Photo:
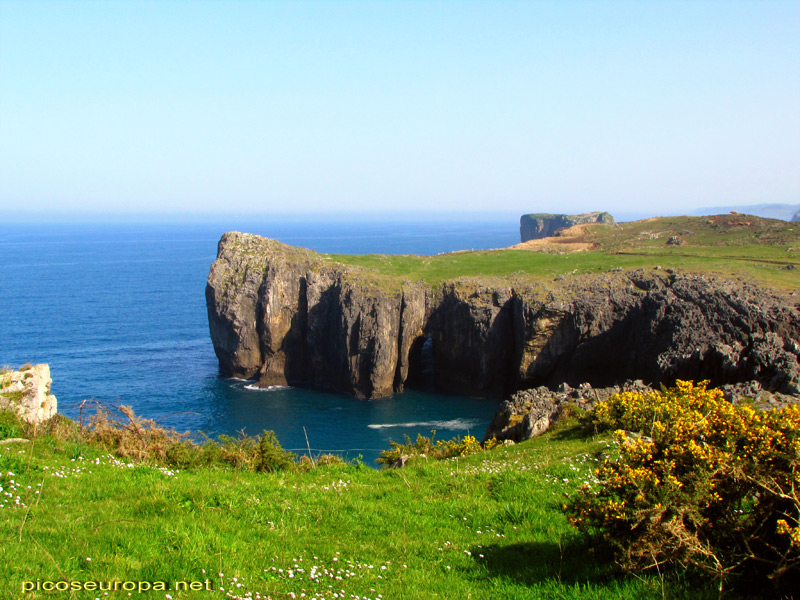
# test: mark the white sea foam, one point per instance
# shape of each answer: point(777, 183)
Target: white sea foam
point(270, 388)
point(242, 380)
point(446, 425)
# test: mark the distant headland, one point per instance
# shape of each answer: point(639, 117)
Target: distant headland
point(542, 225)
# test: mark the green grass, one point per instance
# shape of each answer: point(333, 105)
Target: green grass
point(759, 252)
point(761, 264)
point(485, 526)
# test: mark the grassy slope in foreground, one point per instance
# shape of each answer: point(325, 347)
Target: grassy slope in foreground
point(484, 526)
point(727, 245)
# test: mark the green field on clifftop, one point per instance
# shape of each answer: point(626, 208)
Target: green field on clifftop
point(486, 526)
point(765, 251)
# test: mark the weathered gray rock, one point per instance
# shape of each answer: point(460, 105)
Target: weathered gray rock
point(531, 412)
point(27, 392)
point(288, 315)
point(752, 393)
point(542, 225)
point(467, 314)
point(608, 328)
point(285, 315)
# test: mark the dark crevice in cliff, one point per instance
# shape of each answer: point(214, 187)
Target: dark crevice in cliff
point(501, 335)
point(294, 346)
point(416, 378)
point(422, 365)
point(262, 331)
point(398, 383)
point(364, 385)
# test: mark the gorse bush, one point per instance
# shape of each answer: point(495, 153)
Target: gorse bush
point(698, 482)
point(270, 456)
point(426, 446)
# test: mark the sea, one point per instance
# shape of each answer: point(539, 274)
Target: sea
point(118, 312)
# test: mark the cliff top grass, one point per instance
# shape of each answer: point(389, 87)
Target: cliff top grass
point(765, 251)
point(485, 526)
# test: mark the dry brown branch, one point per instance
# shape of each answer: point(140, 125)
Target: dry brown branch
point(50, 556)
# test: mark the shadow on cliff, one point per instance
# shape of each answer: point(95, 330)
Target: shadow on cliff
point(603, 358)
point(640, 343)
point(473, 345)
point(568, 563)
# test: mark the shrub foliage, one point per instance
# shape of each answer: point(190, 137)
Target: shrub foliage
point(695, 481)
point(427, 447)
point(120, 431)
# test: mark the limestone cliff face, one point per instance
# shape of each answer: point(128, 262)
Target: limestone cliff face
point(284, 315)
point(542, 225)
point(27, 392)
point(467, 315)
point(608, 328)
point(288, 315)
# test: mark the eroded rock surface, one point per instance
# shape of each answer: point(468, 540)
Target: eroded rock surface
point(27, 392)
point(531, 412)
point(282, 315)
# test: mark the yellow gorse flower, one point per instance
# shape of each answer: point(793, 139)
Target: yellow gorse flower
point(686, 457)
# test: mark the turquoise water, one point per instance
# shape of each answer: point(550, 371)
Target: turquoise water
point(118, 311)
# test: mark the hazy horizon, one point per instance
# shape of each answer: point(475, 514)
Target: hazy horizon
point(57, 217)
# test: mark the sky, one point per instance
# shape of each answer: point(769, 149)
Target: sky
point(189, 107)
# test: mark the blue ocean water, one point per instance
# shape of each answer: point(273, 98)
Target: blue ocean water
point(118, 311)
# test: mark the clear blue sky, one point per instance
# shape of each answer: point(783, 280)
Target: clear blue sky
point(264, 107)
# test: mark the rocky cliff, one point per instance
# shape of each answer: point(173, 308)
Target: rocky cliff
point(287, 315)
point(542, 225)
point(282, 315)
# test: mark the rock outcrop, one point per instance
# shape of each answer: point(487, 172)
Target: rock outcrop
point(531, 412)
point(542, 225)
point(27, 392)
point(282, 315)
point(287, 315)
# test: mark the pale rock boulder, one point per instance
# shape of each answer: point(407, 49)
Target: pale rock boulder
point(27, 392)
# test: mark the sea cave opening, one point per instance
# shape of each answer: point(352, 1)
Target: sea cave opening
point(421, 365)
